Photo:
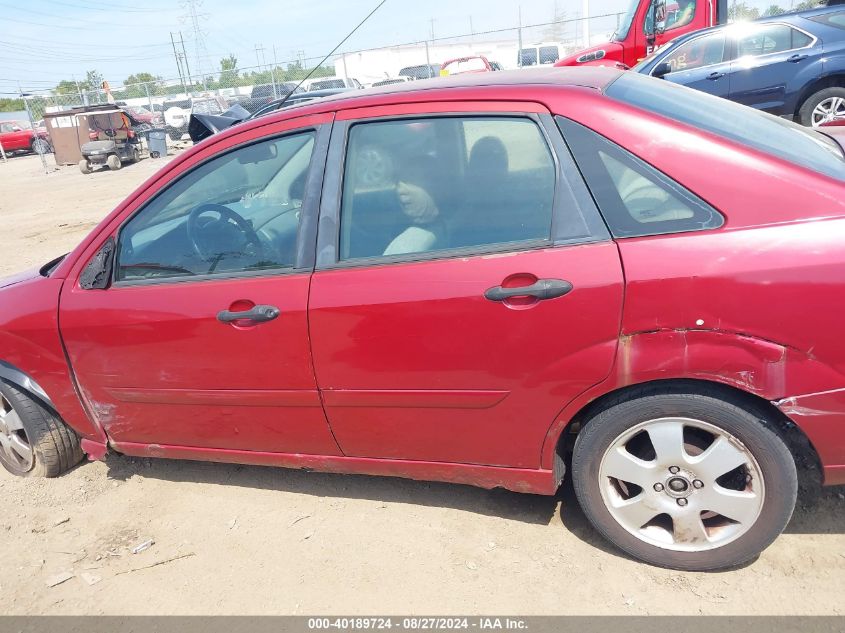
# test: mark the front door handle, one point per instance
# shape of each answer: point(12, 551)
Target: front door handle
point(540, 289)
point(258, 314)
point(796, 58)
point(715, 76)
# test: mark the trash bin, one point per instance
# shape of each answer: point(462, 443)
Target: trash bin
point(157, 142)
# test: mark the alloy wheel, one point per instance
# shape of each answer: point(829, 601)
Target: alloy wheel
point(15, 449)
point(681, 484)
point(829, 109)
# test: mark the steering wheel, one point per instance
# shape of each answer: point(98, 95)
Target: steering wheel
point(206, 234)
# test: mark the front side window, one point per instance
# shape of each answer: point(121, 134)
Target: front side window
point(775, 38)
point(427, 185)
point(766, 133)
point(634, 198)
point(697, 53)
point(238, 212)
point(679, 14)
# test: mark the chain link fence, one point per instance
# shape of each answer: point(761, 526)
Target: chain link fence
point(254, 86)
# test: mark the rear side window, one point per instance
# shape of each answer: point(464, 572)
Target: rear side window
point(634, 198)
point(426, 185)
point(774, 38)
point(831, 19)
point(752, 128)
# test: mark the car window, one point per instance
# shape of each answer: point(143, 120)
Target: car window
point(698, 52)
point(5, 127)
point(634, 198)
point(752, 128)
point(236, 212)
point(528, 56)
point(831, 19)
point(679, 14)
point(774, 38)
point(425, 185)
point(549, 54)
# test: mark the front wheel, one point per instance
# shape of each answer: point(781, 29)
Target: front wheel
point(822, 107)
point(113, 162)
point(684, 480)
point(34, 442)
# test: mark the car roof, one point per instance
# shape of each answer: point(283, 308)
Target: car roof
point(596, 77)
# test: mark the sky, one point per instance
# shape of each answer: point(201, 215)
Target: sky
point(45, 41)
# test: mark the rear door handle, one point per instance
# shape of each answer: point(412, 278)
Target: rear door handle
point(715, 76)
point(258, 314)
point(796, 58)
point(541, 289)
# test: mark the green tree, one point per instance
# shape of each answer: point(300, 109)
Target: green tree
point(11, 105)
point(806, 4)
point(739, 11)
point(773, 10)
point(229, 71)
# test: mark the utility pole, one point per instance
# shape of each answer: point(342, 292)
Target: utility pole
point(273, 73)
point(178, 63)
point(519, 36)
point(200, 50)
point(185, 56)
point(257, 57)
point(78, 90)
point(432, 29)
point(585, 25)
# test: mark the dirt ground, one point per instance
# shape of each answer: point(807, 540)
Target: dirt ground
point(238, 539)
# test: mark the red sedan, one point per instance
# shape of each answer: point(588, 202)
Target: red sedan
point(18, 136)
point(496, 280)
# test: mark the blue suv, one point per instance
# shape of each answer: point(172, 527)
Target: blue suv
point(791, 65)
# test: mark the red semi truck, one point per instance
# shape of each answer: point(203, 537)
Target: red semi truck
point(648, 24)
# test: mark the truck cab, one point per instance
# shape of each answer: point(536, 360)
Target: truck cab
point(647, 25)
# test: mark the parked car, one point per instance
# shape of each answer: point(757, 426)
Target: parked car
point(423, 71)
point(390, 81)
point(547, 280)
point(263, 94)
point(177, 112)
point(18, 136)
point(203, 126)
point(473, 64)
point(142, 115)
point(540, 54)
point(791, 65)
point(330, 83)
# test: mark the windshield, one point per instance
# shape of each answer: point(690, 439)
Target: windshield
point(761, 131)
point(327, 84)
point(625, 22)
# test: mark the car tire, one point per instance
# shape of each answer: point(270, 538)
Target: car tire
point(40, 146)
point(669, 504)
point(113, 162)
point(811, 111)
point(136, 155)
point(34, 442)
point(85, 167)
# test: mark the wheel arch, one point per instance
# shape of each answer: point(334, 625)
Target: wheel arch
point(833, 80)
point(805, 454)
point(26, 383)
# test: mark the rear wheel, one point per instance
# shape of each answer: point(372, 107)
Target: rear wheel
point(685, 480)
point(113, 162)
point(822, 107)
point(34, 442)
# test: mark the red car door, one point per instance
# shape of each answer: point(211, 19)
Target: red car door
point(466, 288)
point(199, 337)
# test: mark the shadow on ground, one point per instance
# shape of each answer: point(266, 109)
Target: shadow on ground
point(818, 512)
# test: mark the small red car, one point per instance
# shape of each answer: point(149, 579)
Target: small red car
point(18, 136)
point(497, 280)
point(464, 65)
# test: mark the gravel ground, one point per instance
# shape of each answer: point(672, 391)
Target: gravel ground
point(232, 539)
